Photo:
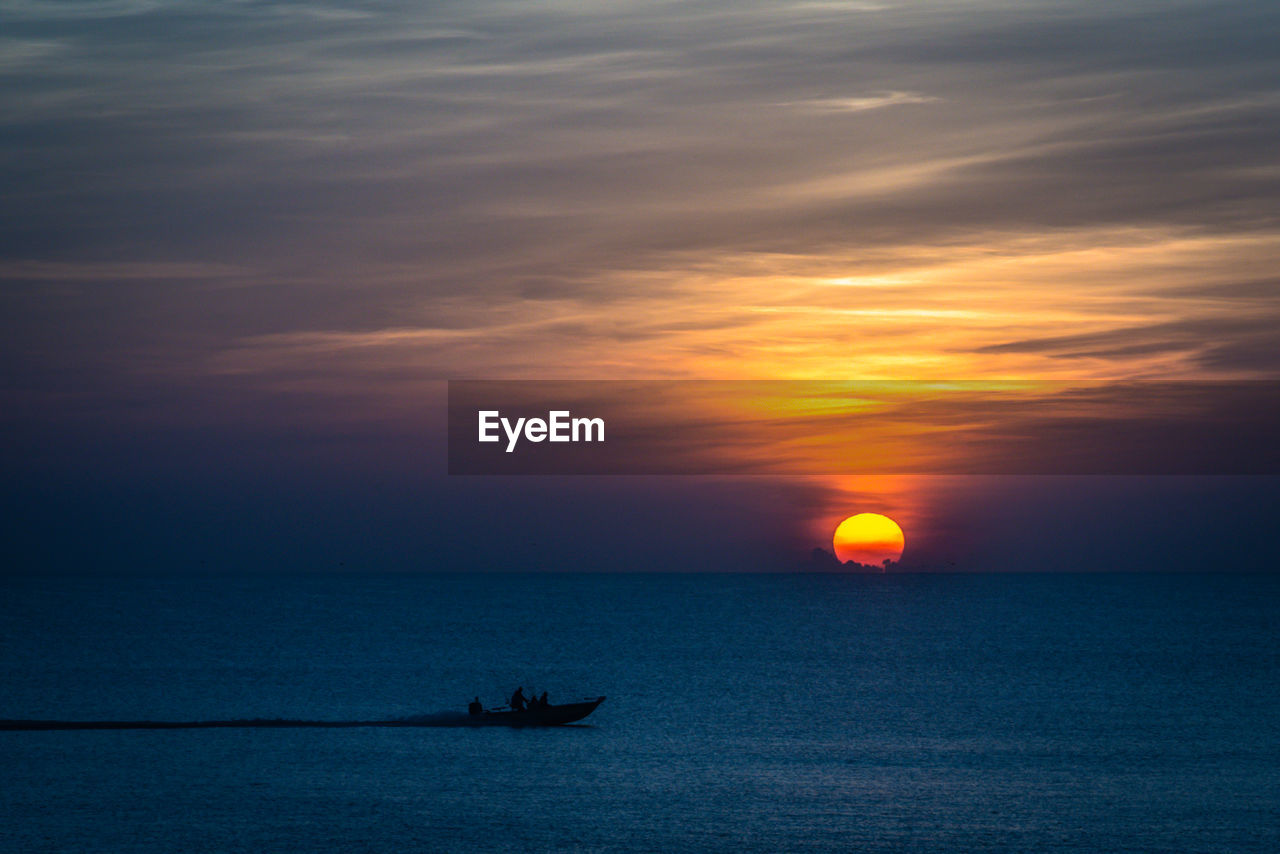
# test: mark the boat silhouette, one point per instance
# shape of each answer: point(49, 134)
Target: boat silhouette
point(548, 715)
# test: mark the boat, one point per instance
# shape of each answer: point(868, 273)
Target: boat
point(548, 715)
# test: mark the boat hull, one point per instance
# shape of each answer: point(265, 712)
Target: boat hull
point(560, 715)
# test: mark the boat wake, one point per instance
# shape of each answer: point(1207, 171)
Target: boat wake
point(548, 715)
point(436, 719)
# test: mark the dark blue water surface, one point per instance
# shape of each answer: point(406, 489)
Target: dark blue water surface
point(757, 713)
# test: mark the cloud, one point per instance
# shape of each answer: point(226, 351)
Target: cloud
point(349, 193)
point(1249, 343)
point(862, 103)
point(17, 53)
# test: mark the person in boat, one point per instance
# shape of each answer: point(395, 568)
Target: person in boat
point(517, 700)
point(542, 701)
point(474, 708)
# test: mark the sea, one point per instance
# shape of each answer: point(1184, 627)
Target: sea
point(772, 713)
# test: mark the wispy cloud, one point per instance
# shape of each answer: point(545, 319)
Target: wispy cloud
point(17, 53)
point(800, 190)
point(861, 103)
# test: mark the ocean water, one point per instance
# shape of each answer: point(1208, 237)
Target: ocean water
point(745, 713)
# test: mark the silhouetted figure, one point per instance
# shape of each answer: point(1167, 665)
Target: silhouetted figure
point(542, 701)
point(517, 700)
point(474, 707)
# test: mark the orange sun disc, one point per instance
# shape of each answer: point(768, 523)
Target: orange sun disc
point(868, 538)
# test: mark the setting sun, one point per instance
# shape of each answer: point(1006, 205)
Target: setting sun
point(868, 538)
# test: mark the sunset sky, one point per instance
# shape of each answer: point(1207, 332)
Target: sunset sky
point(243, 245)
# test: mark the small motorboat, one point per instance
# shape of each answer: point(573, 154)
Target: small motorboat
point(548, 715)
